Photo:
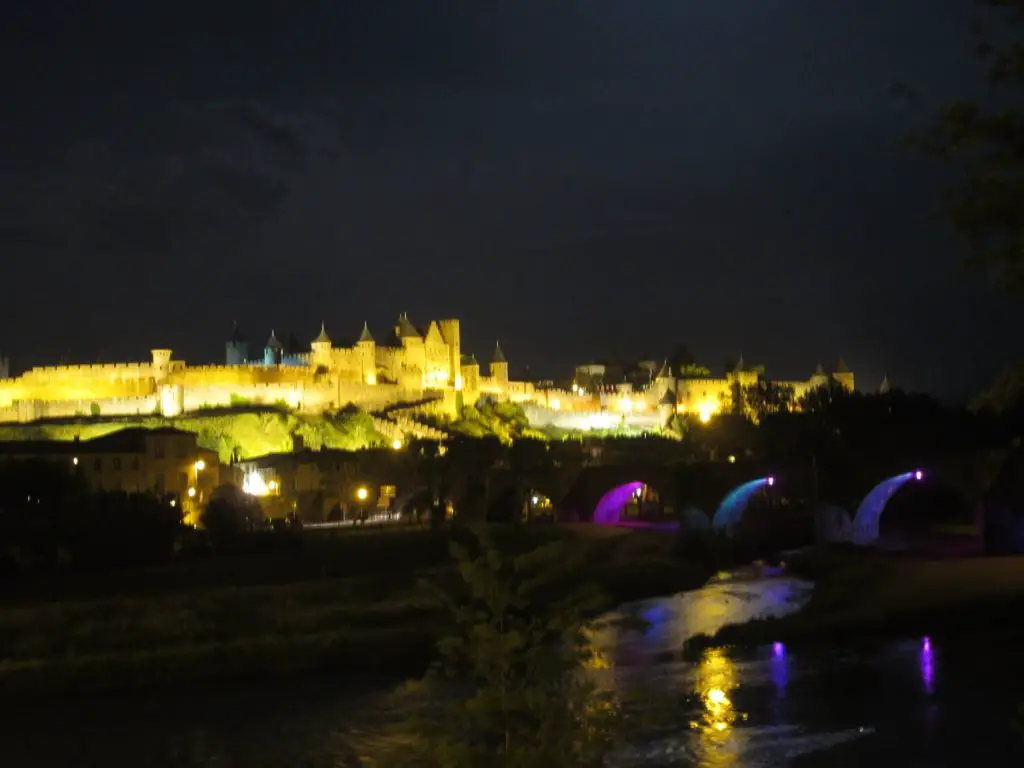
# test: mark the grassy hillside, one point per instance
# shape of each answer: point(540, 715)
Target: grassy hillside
point(490, 418)
point(253, 432)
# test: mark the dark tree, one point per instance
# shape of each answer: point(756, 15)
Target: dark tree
point(766, 397)
point(231, 514)
point(987, 142)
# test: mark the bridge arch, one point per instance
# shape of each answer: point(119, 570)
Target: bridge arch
point(609, 508)
point(869, 511)
point(950, 508)
point(730, 511)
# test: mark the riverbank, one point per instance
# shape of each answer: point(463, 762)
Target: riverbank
point(354, 605)
point(868, 595)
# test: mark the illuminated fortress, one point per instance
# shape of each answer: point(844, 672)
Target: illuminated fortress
point(414, 366)
point(423, 371)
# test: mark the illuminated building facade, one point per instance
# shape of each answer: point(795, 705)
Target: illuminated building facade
point(586, 406)
point(164, 461)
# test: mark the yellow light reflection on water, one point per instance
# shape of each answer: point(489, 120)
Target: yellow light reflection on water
point(714, 681)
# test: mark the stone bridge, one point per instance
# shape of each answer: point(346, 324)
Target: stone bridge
point(845, 498)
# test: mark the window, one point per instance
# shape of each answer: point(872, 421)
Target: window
point(135, 463)
point(98, 465)
point(117, 462)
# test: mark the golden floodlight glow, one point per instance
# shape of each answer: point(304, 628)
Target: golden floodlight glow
point(254, 484)
point(362, 493)
point(556, 404)
point(705, 413)
point(200, 465)
point(191, 493)
point(396, 444)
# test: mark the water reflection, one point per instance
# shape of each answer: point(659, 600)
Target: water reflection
point(771, 706)
point(927, 661)
point(780, 669)
point(727, 599)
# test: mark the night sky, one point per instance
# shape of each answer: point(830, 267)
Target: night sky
point(580, 179)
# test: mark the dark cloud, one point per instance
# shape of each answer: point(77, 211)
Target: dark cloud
point(575, 177)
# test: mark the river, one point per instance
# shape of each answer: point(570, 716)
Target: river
point(915, 702)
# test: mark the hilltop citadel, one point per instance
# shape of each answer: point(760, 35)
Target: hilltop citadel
point(423, 371)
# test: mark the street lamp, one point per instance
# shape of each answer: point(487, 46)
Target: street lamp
point(200, 465)
point(362, 493)
point(191, 493)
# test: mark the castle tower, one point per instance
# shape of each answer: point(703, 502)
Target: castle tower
point(366, 348)
point(453, 338)
point(741, 374)
point(843, 375)
point(273, 351)
point(820, 378)
point(161, 364)
point(884, 388)
point(321, 349)
point(470, 373)
point(664, 384)
point(404, 329)
point(499, 366)
point(236, 350)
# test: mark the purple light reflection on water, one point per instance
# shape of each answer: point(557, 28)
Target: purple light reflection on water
point(927, 660)
point(780, 669)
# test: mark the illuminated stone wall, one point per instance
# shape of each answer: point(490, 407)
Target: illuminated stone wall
point(410, 369)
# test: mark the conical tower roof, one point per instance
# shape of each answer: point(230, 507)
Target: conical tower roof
point(322, 337)
point(365, 335)
point(841, 366)
point(884, 387)
point(741, 365)
point(406, 330)
point(820, 370)
point(273, 342)
point(665, 372)
point(499, 356)
point(236, 336)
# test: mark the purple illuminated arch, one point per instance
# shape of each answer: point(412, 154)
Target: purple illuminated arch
point(865, 521)
point(609, 508)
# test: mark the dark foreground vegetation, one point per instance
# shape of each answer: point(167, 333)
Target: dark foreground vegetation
point(358, 602)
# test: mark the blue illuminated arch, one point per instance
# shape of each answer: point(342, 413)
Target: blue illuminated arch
point(865, 521)
point(730, 511)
